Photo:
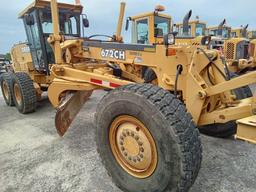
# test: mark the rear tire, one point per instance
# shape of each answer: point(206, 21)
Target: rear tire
point(149, 75)
point(6, 87)
point(242, 92)
point(225, 130)
point(177, 141)
point(220, 130)
point(24, 93)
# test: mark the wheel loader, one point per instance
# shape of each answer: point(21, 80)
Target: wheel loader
point(239, 52)
point(146, 133)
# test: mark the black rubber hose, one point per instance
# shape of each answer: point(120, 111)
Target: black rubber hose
point(211, 62)
point(178, 72)
point(226, 66)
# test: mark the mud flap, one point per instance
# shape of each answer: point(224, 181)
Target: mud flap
point(68, 109)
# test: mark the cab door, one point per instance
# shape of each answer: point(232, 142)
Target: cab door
point(34, 41)
point(140, 31)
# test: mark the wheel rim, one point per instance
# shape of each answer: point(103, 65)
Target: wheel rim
point(17, 93)
point(5, 90)
point(133, 146)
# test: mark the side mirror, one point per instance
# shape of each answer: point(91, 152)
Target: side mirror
point(86, 22)
point(127, 23)
point(29, 20)
point(206, 40)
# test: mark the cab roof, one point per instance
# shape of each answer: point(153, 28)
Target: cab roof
point(216, 27)
point(150, 14)
point(47, 4)
point(193, 22)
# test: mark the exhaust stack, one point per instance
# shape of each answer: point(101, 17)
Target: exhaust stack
point(186, 23)
point(220, 27)
point(244, 31)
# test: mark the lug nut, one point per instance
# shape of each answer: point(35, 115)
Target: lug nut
point(140, 143)
point(142, 149)
point(121, 143)
point(125, 154)
point(122, 138)
point(122, 148)
point(137, 138)
point(141, 155)
point(130, 158)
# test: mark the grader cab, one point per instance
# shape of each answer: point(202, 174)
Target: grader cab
point(38, 26)
point(222, 30)
point(31, 60)
point(150, 28)
point(251, 34)
point(196, 28)
point(240, 32)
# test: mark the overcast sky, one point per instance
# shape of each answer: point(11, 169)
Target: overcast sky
point(103, 15)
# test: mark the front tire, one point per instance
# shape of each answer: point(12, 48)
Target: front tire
point(24, 93)
point(147, 140)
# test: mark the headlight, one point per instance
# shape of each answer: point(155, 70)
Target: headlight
point(169, 39)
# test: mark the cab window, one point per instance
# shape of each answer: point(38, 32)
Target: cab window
point(200, 29)
point(180, 32)
point(162, 26)
point(253, 34)
point(233, 34)
point(142, 31)
point(69, 24)
point(225, 33)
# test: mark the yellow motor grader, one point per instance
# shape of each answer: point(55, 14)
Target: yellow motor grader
point(146, 133)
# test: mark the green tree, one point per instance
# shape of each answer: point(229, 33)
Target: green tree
point(8, 56)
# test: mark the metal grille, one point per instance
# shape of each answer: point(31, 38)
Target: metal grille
point(230, 51)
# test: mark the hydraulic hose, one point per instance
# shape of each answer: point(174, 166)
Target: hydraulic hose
point(178, 72)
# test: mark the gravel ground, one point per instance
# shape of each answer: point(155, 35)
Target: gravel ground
point(34, 158)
